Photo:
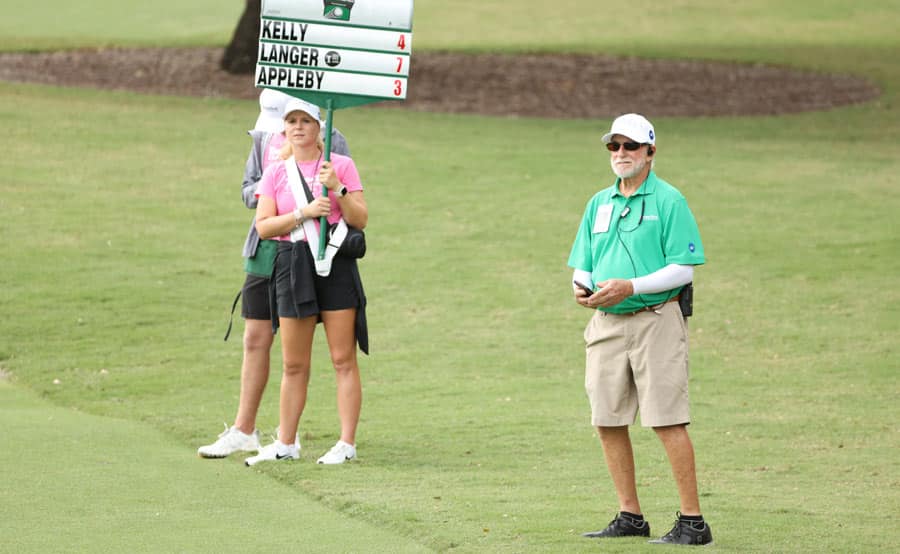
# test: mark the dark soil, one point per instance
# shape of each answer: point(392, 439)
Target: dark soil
point(560, 86)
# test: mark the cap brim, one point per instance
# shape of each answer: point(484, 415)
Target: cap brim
point(317, 120)
point(607, 138)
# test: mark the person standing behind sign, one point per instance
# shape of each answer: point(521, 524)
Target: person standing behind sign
point(268, 140)
point(304, 297)
point(635, 251)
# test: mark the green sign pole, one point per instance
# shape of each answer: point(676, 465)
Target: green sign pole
point(323, 221)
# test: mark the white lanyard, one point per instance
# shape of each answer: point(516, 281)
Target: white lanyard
point(309, 230)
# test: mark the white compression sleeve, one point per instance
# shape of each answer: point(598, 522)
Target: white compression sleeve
point(582, 276)
point(667, 278)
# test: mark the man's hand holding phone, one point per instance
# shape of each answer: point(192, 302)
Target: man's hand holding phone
point(586, 289)
point(582, 293)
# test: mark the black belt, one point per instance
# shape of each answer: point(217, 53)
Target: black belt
point(653, 308)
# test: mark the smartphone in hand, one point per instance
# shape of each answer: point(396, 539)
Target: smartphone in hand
point(584, 287)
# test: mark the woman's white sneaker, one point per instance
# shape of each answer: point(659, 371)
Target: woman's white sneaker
point(339, 453)
point(275, 452)
point(231, 440)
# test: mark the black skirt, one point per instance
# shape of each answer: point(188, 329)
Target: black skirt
point(298, 291)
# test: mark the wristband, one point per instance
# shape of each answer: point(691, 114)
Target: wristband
point(298, 217)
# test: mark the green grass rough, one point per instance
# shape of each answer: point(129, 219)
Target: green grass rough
point(122, 230)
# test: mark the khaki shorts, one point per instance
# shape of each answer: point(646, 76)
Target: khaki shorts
point(637, 361)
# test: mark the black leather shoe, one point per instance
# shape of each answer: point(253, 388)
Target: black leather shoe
point(687, 532)
point(622, 526)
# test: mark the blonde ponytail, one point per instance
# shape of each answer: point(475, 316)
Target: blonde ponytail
point(286, 151)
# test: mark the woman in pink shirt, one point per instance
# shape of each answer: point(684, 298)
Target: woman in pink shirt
point(303, 296)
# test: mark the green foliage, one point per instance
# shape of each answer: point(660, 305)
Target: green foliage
point(122, 230)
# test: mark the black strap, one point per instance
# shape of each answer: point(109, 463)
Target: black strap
point(231, 319)
point(309, 196)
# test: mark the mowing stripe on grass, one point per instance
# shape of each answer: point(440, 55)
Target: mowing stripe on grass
point(125, 488)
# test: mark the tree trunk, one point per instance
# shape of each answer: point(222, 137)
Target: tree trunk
point(240, 54)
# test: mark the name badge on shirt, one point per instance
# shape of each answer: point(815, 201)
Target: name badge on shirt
point(602, 218)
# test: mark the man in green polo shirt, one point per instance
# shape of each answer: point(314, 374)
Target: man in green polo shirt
point(634, 253)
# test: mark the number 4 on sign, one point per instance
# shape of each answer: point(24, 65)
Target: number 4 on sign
point(401, 44)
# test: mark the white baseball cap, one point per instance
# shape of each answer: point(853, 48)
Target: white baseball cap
point(634, 126)
point(302, 105)
point(271, 108)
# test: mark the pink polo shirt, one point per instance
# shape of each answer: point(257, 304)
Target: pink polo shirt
point(273, 150)
point(274, 184)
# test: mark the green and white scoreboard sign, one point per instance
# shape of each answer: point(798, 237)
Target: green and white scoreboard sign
point(350, 51)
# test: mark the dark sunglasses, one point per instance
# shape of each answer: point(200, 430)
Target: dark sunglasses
point(630, 146)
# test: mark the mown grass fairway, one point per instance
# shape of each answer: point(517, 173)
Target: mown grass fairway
point(122, 229)
point(102, 484)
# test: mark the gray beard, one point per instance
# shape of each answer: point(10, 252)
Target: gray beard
point(636, 168)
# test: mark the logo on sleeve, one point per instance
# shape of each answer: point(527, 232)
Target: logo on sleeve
point(691, 246)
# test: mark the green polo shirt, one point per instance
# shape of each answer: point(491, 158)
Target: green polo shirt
point(657, 229)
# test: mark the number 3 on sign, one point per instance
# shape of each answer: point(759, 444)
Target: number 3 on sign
point(398, 87)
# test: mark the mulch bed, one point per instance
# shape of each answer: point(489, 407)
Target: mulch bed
point(538, 85)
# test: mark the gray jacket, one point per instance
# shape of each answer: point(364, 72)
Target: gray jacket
point(253, 173)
